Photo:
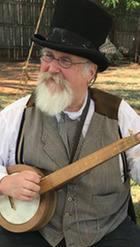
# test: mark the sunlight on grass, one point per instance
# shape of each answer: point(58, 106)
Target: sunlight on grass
point(6, 100)
point(135, 192)
point(2, 102)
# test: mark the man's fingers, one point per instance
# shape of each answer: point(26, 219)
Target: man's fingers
point(31, 186)
point(138, 137)
point(33, 177)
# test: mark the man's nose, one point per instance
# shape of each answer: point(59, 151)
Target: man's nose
point(54, 67)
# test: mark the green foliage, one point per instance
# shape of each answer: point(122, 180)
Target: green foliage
point(131, 4)
point(120, 7)
point(108, 3)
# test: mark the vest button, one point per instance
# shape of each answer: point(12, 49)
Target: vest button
point(67, 214)
point(69, 199)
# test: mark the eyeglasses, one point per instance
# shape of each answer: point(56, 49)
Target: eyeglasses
point(64, 62)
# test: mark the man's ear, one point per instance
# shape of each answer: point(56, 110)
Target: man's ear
point(93, 75)
point(92, 72)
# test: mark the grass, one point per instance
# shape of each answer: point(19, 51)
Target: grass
point(122, 81)
point(1, 102)
point(6, 100)
point(135, 191)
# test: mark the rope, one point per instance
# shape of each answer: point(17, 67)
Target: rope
point(24, 69)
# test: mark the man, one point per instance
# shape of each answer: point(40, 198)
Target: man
point(92, 209)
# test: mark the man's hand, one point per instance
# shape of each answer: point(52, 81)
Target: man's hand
point(138, 137)
point(23, 186)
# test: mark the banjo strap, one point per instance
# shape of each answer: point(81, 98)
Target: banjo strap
point(20, 139)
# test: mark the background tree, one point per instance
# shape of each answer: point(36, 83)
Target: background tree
point(121, 7)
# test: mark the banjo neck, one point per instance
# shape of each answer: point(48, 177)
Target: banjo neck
point(66, 174)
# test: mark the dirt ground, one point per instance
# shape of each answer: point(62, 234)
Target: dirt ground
point(13, 77)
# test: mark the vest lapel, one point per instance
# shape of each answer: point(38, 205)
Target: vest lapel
point(90, 143)
point(53, 144)
point(43, 146)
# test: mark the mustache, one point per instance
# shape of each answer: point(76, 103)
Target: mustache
point(44, 76)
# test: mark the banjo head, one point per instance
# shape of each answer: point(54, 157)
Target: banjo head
point(26, 216)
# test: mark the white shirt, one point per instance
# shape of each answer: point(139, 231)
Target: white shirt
point(10, 119)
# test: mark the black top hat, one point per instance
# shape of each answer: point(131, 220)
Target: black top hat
point(78, 27)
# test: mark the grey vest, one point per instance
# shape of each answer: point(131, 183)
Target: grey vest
point(94, 204)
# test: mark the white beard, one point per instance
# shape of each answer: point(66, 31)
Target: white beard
point(51, 102)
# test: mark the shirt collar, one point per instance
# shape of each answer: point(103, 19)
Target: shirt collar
point(75, 115)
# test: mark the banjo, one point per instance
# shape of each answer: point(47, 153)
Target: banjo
point(20, 216)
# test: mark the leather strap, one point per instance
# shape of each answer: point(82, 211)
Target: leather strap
point(20, 139)
point(79, 129)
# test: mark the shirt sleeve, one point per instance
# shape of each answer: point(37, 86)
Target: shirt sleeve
point(129, 119)
point(10, 119)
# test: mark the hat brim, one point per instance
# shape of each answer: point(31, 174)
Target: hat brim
point(91, 54)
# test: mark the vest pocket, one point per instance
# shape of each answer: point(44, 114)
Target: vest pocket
point(106, 205)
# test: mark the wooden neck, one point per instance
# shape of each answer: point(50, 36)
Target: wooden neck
point(66, 174)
